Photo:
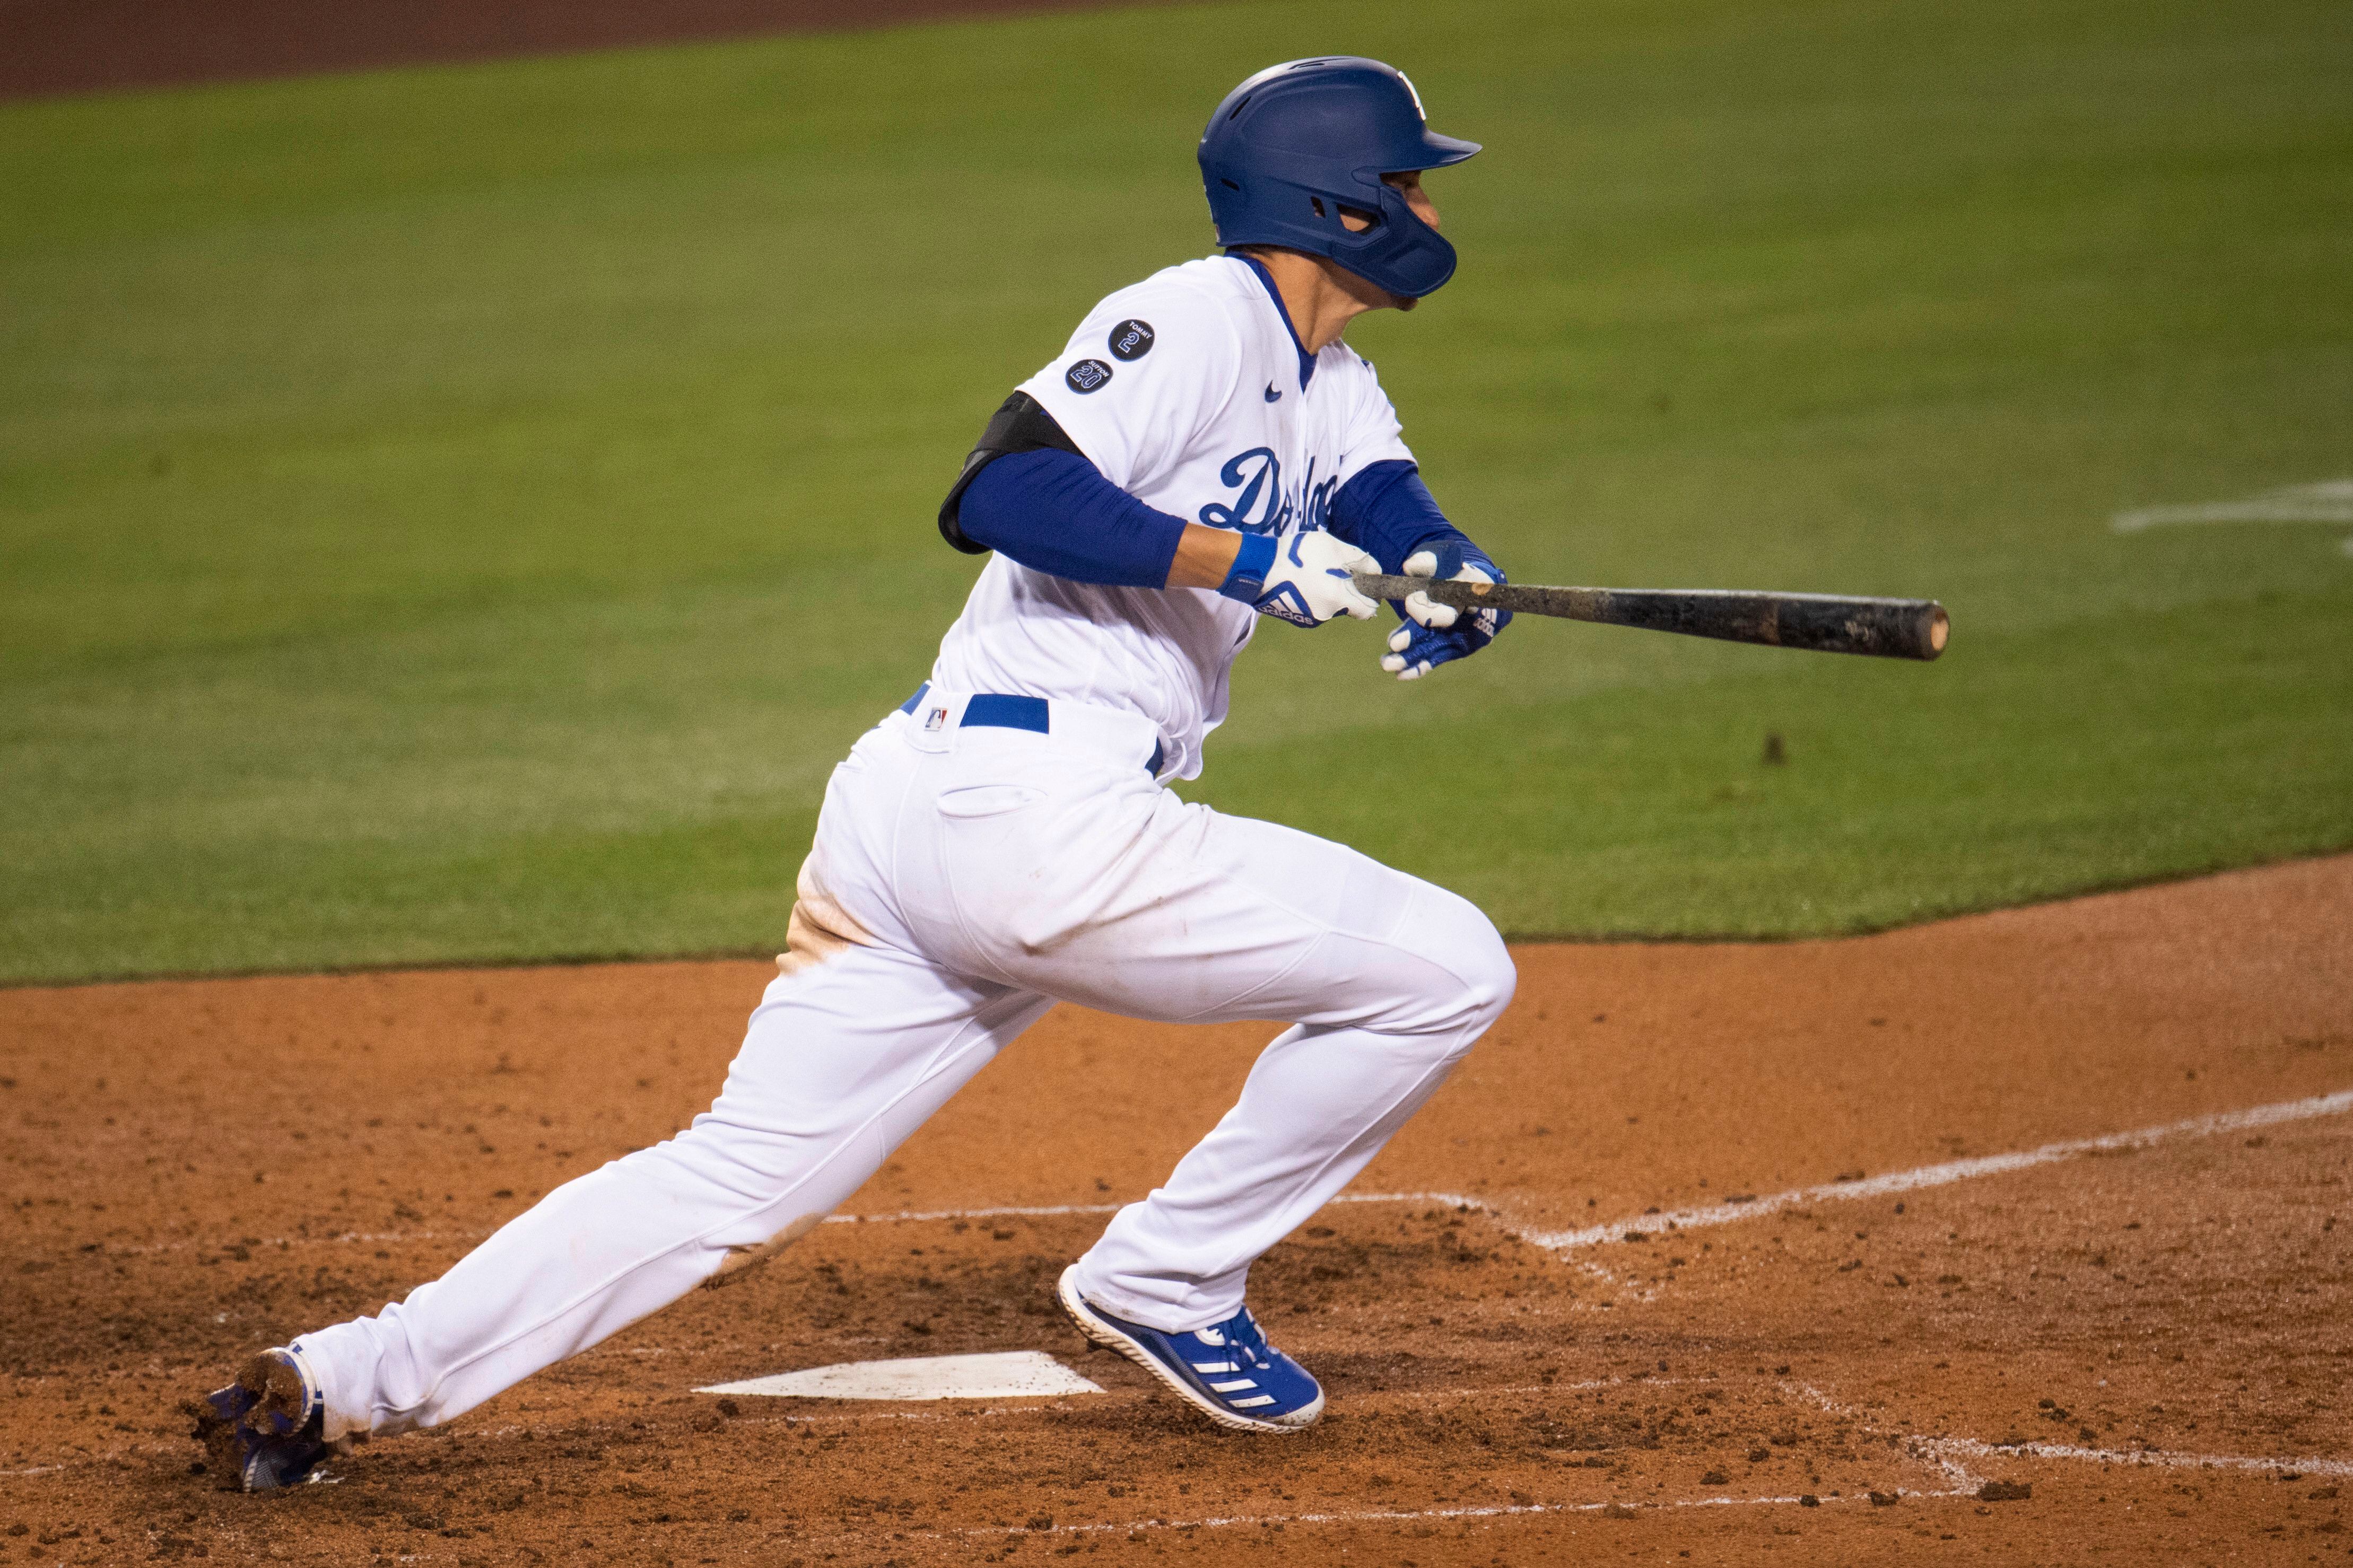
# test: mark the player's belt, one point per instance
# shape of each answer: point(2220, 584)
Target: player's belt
point(1000, 710)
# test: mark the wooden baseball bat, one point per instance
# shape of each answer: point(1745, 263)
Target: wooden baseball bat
point(1825, 623)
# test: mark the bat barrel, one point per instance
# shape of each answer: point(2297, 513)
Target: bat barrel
point(1820, 622)
point(1889, 628)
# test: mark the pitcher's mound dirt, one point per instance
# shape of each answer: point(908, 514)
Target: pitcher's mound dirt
point(2139, 1352)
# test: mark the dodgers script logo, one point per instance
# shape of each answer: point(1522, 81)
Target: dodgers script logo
point(1257, 475)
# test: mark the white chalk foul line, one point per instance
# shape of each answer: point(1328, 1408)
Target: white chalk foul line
point(1949, 1172)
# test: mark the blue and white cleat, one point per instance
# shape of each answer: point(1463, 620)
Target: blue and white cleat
point(262, 1433)
point(1228, 1371)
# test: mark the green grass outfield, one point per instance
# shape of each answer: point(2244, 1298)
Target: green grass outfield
point(462, 513)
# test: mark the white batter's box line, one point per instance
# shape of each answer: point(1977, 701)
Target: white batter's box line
point(1029, 1211)
point(1368, 1401)
point(1947, 1173)
point(2328, 501)
point(2161, 1458)
point(1939, 1451)
point(1965, 1483)
point(357, 1237)
point(1449, 1200)
point(1410, 1516)
point(341, 1238)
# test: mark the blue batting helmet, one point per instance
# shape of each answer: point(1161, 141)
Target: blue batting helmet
point(1295, 145)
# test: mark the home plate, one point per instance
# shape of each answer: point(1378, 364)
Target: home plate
point(1000, 1374)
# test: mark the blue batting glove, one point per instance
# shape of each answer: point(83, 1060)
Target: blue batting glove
point(1436, 633)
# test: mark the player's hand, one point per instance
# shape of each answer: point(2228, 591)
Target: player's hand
point(1435, 633)
point(1312, 579)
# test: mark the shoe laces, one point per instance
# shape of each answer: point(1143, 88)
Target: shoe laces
point(1246, 1342)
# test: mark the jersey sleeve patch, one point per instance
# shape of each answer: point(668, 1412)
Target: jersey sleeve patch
point(1148, 369)
point(1131, 339)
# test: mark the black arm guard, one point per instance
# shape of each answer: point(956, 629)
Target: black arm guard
point(1019, 425)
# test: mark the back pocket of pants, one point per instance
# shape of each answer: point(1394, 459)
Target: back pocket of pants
point(988, 800)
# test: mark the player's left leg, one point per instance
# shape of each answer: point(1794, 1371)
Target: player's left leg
point(1076, 876)
point(1389, 981)
point(839, 1065)
point(842, 1061)
point(1394, 980)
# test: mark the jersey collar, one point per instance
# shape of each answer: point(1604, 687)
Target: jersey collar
point(1306, 360)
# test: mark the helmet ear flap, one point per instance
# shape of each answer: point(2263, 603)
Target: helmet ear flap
point(1410, 252)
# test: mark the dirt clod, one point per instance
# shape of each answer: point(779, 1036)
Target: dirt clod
point(2005, 1491)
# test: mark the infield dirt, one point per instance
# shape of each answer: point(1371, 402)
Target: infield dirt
point(197, 1168)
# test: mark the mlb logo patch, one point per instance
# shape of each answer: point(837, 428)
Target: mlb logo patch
point(936, 719)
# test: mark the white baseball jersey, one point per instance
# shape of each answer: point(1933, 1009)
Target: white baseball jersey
point(1191, 392)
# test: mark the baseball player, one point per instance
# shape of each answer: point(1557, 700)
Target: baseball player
point(1204, 451)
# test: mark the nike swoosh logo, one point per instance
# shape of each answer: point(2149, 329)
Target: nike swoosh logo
point(1272, 396)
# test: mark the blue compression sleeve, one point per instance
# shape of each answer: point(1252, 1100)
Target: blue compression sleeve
point(1054, 512)
point(1388, 513)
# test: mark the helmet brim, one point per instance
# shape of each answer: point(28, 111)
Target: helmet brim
point(1438, 151)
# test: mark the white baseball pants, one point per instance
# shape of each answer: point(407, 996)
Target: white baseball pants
point(964, 878)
